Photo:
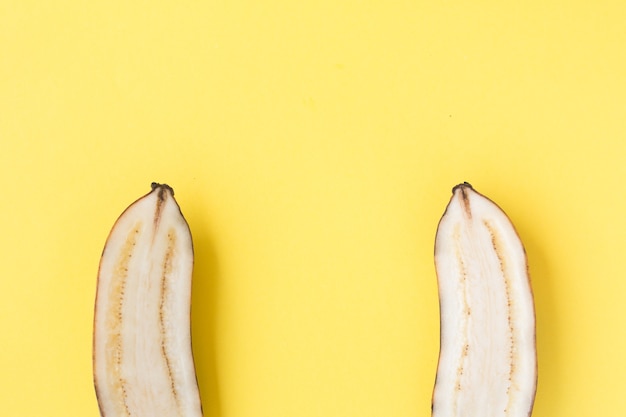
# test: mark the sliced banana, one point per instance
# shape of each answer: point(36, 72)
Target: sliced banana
point(487, 360)
point(142, 357)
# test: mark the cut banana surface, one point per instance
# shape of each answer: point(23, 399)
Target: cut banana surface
point(487, 360)
point(142, 357)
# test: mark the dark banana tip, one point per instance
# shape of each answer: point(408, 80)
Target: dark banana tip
point(464, 188)
point(162, 187)
point(461, 186)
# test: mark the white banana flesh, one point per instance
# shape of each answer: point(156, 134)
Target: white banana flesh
point(487, 360)
point(142, 357)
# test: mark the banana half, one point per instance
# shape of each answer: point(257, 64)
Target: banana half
point(487, 360)
point(142, 357)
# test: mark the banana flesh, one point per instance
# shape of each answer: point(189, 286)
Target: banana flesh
point(487, 360)
point(142, 357)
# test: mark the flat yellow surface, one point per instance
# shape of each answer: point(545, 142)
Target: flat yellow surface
point(312, 146)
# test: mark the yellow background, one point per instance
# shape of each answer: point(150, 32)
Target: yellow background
point(312, 146)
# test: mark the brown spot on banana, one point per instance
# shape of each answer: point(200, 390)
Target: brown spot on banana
point(487, 361)
point(142, 357)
